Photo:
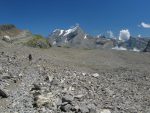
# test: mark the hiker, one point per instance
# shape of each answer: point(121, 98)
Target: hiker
point(30, 57)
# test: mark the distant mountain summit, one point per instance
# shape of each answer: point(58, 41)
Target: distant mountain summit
point(75, 37)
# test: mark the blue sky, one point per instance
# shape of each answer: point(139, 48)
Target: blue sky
point(94, 16)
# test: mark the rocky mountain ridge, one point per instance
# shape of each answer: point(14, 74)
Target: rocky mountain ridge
point(76, 37)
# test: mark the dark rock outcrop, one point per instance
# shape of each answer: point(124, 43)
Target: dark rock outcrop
point(3, 94)
point(147, 49)
point(134, 42)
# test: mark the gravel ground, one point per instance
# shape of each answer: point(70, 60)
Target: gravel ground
point(69, 80)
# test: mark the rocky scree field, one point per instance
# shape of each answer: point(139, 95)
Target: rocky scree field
point(65, 80)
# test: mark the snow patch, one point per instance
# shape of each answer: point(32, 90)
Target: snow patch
point(119, 48)
point(85, 37)
point(66, 41)
point(136, 50)
point(61, 32)
point(54, 43)
point(55, 30)
point(70, 31)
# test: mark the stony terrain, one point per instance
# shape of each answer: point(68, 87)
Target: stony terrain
point(69, 80)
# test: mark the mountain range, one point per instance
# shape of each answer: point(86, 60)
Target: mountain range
point(77, 37)
point(74, 37)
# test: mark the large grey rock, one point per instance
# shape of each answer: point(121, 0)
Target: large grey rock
point(84, 108)
point(6, 38)
point(66, 108)
point(35, 87)
point(6, 76)
point(105, 111)
point(45, 100)
point(3, 94)
point(67, 98)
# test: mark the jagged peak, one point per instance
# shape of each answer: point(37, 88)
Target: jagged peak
point(72, 29)
point(66, 32)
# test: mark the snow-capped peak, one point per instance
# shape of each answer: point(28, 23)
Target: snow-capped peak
point(70, 30)
point(59, 31)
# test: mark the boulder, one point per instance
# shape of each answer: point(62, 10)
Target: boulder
point(6, 76)
point(105, 111)
point(67, 99)
point(48, 100)
point(3, 94)
point(84, 109)
point(36, 87)
point(95, 75)
point(6, 38)
point(66, 108)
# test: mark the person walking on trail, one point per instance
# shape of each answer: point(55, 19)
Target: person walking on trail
point(30, 57)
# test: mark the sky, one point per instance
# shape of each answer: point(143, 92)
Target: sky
point(94, 16)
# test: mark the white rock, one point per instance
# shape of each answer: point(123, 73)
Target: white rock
point(79, 96)
point(83, 74)
point(105, 111)
point(71, 88)
point(6, 38)
point(20, 75)
point(95, 75)
point(50, 78)
point(48, 98)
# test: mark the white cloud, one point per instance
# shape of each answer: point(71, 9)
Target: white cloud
point(144, 25)
point(124, 35)
point(139, 35)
